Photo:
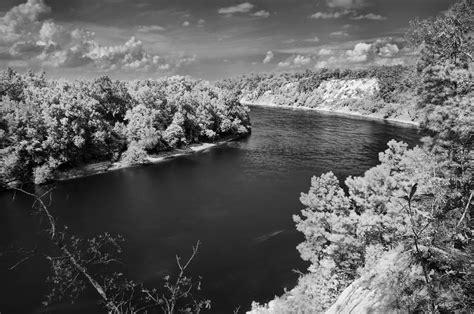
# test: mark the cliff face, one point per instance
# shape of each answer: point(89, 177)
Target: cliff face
point(359, 97)
point(328, 92)
point(340, 90)
point(377, 290)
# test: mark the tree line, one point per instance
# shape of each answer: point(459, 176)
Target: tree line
point(50, 125)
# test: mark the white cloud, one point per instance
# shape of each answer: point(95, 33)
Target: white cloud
point(51, 32)
point(301, 60)
point(389, 50)
point(284, 64)
point(339, 34)
point(360, 53)
point(369, 16)
point(150, 28)
point(296, 61)
point(240, 8)
point(21, 20)
point(328, 15)
point(268, 57)
point(186, 24)
point(201, 22)
point(47, 43)
point(324, 52)
point(261, 13)
point(315, 39)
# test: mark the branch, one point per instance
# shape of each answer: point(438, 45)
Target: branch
point(22, 261)
point(43, 207)
point(465, 210)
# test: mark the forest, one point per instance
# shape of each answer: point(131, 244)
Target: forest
point(399, 238)
point(49, 125)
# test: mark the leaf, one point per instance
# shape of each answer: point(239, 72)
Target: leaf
point(413, 191)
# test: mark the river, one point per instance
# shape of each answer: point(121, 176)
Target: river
point(237, 199)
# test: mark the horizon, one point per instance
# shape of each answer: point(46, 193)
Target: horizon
point(131, 40)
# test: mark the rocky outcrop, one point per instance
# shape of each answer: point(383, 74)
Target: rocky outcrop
point(378, 289)
point(340, 90)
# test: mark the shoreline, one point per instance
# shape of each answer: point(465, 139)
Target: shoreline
point(337, 112)
point(97, 168)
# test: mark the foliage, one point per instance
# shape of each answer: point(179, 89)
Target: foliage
point(404, 228)
point(48, 126)
point(446, 37)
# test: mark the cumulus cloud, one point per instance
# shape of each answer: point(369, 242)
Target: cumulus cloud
point(328, 15)
point(150, 28)
point(201, 22)
point(186, 24)
point(324, 52)
point(389, 50)
point(339, 34)
point(360, 53)
point(21, 20)
point(296, 61)
point(261, 13)
point(46, 43)
point(301, 60)
point(369, 16)
point(268, 57)
point(284, 64)
point(315, 39)
point(244, 7)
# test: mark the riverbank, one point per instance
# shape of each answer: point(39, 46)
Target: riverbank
point(339, 112)
point(102, 167)
point(107, 166)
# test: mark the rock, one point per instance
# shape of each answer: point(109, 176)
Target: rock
point(377, 290)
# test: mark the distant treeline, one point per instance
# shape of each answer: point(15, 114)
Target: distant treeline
point(396, 88)
point(48, 125)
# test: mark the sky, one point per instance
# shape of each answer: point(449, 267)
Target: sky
point(210, 39)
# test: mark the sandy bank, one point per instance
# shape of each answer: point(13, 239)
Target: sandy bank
point(106, 166)
point(341, 112)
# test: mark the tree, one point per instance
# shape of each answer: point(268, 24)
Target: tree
point(78, 264)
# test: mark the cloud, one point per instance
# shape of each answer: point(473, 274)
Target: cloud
point(201, 22)
point(296, 61)
point(360, 53)
point(388, 51)
point(261, 13)
point(369, 16)
point(25, 49)
point(240, 8)
point(328, 15)
point(268, 57)
point(186, 24)
point(47, 43)
point(339, 34)
point(315, 39)
point(284, 64)
point(324, 52)
point(346, 4)
point(150, 28)
point(301, 60)
point(21, 20)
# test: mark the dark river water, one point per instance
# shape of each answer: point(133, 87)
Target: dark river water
point(237, 199)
